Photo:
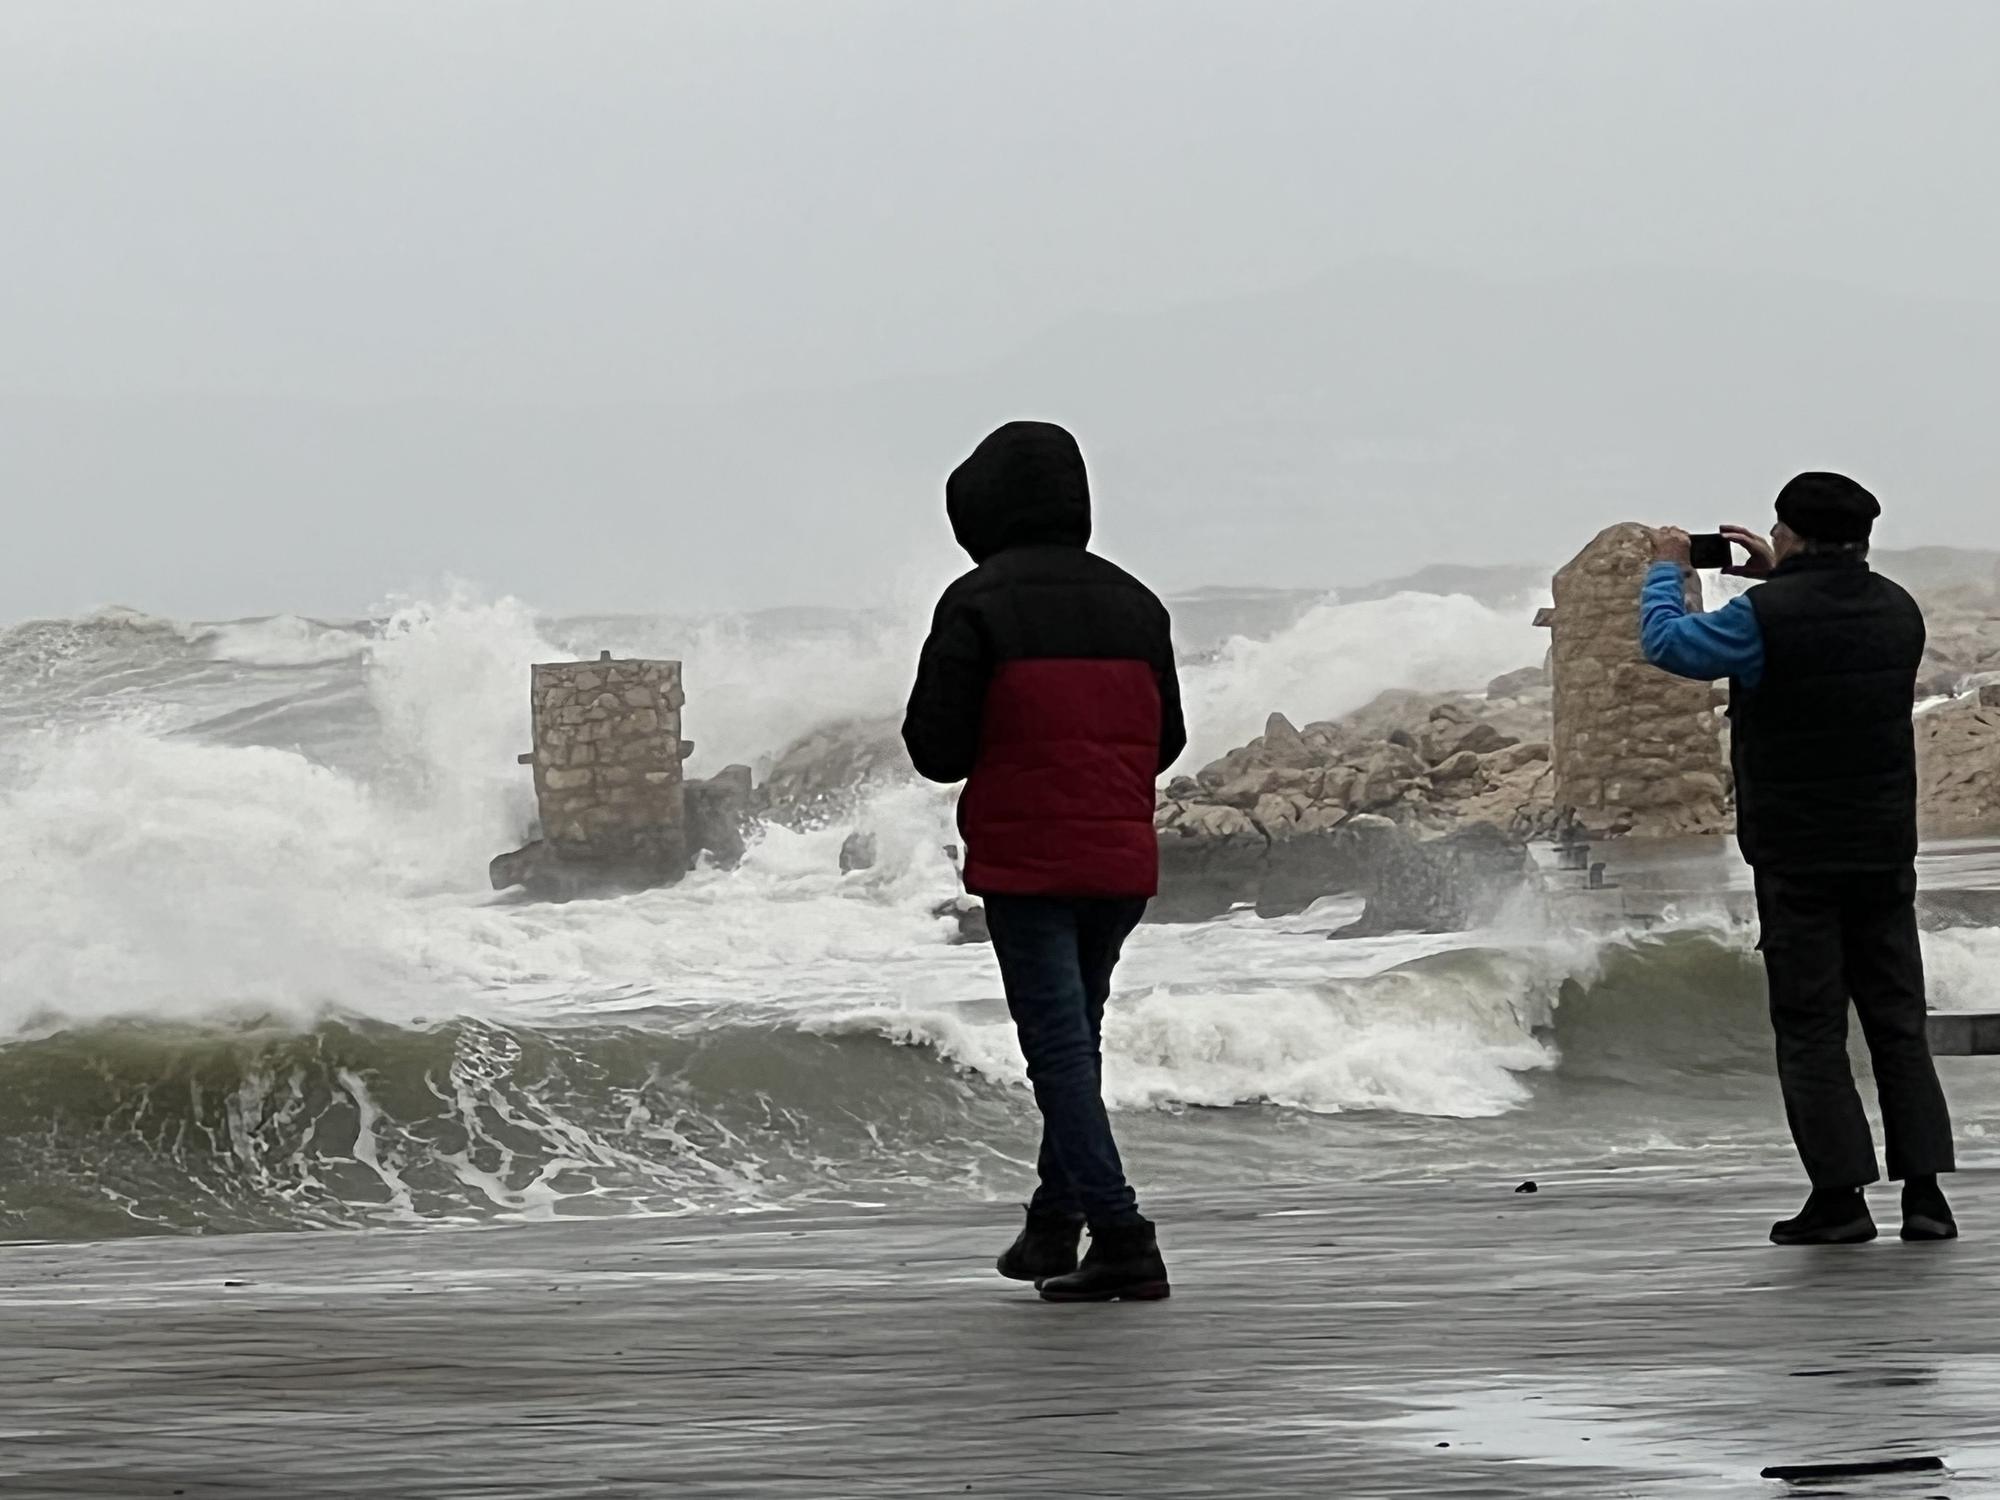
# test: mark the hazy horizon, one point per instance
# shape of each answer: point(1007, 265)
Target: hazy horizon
point(692, 307)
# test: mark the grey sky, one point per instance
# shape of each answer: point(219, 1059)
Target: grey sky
point(302, 304)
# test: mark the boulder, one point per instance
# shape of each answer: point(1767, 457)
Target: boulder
point(1506, 761)
point(969, 918)
point(1437, 885)
point(1518, 684)
point(719, 816)
point(1385, 778)
point(1462, 766)
point(821, 778)
point(1520, 802)
point(1446, 738)
point(1284, 747)
point(543, 873)
point(1251, 788)
point(1218, 822)
point(1396, 709)
point(858, 852)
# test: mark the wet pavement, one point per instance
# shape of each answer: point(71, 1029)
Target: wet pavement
point(1626, 1334)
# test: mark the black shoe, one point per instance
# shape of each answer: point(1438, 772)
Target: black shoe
point(1045, 1247)
point(1832, 1216)
point(1122, 1265)
point(1926, 1214)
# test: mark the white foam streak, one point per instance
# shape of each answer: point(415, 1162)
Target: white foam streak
point(1407, 1041)
point(281, 641)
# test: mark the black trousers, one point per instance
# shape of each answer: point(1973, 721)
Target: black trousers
point(1828, 940)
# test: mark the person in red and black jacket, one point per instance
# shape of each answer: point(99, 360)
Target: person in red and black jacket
point(1048, 687)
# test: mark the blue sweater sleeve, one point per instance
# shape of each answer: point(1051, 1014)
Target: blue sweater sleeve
point(1726, 643)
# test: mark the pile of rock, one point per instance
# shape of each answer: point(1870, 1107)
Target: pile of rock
point(1419, 803)
point(1430, 764)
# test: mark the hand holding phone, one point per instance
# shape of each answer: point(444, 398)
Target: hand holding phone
point(1708, 550)
point(1761, 559)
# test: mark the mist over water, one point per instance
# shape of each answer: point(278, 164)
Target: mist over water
point(253, 975)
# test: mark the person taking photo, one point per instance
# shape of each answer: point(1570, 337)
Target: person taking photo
point(1822, 659)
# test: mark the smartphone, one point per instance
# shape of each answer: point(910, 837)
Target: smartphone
point(1709, 550)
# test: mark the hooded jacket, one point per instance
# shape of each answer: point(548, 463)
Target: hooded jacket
point(1047, 683)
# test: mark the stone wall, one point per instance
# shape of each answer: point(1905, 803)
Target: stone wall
point(1958, 766)
point(607, 763)
point(1635, 750)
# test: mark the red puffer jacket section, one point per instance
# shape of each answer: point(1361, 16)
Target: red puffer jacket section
point(1062, 800)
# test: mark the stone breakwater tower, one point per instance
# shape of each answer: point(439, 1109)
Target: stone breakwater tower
point(607, 761)
point(617, 812)
point(1636, 751)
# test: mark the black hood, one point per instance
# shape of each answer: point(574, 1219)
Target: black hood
point(1024, 486)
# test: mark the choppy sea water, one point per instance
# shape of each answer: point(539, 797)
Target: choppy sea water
point(251, 976)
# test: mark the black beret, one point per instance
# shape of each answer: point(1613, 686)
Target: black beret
point(1828, 508)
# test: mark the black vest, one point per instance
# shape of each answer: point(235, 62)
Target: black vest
point(1823, 747)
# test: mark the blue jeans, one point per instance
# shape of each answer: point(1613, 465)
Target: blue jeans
point(1056, 958)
